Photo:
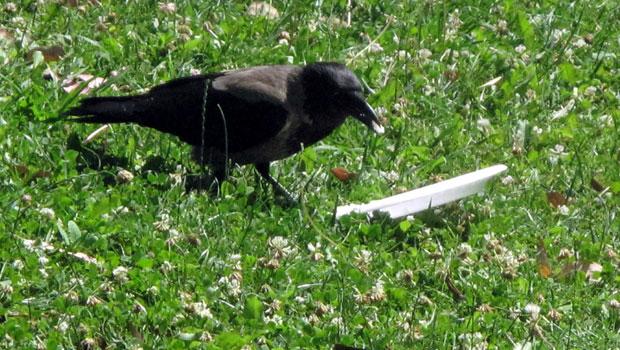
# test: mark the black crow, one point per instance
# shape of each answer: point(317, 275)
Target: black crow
point(249, 116)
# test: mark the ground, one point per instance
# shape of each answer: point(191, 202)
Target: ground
point(101, 247)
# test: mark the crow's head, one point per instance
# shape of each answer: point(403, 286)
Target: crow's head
point(333, 89)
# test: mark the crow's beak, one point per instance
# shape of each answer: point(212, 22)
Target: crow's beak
point(365, 114)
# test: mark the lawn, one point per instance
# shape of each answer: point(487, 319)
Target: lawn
point(101, 247)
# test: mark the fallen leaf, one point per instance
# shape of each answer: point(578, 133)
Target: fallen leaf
point(5, 35)
point(596, 185)
point(542, 260)
point(342, 174)
point(41, 174)
point(50, 53)
point(75, 82)
point(556, 199)
point(451, 74)
point(457, 295)
point(22, 170)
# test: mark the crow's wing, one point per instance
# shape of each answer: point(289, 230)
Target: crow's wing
point(248, 107)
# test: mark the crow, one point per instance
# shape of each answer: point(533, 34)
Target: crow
point(255, 115)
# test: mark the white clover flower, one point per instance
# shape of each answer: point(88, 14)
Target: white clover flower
point(168, 7)
point(10, 7)
point(200, 309)
point(205, 337)
point(43, 260)
point(424, 300)
point(564, 110)
point(564, 210)
point(48, 213)
point(120, 274)
point(46, 246)
point(533, 310)
point(375, 294)
point(124, 176)
point(93, 300)
point(508, 180)
point(263, 9)
point(279, 247)
point(501, 27)
point(557, 35)
point(336, 321)
point(275, 319)
point(520, 49)
point(403, 55)
point(580, 43)
point(62, 326)
point(463, 250)
point(537, 130)
point(18, 265)
point(606, 120)
point(88, 343)
point(473, 341)
point(29, 244)
point(565, 253)
point(590, 91)
point(375, 47)
point(166, 267)
point(530, 95)
point(6, 287)
point(424, 54)
point(392, 175)
point(614, 304)
point(363, 259)
point(428, 90)
point(484, 125)
point(163, 224)
point(84, 257)
point(315, 251)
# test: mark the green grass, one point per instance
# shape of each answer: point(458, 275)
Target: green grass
point(371, 284)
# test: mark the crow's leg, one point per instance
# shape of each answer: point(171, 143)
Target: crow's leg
point(206, 181)
point(263, 171)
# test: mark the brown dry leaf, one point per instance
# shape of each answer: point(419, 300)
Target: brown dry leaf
point(542, 260)
point(41, 174)
point(596, 185)
point(556, 199)
point(457, 295)
point(451, 74)
point(75, 82)
point(5, 35)
point(343, 174)
point(22, 170)
point(50, 53)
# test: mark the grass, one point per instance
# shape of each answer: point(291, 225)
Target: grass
point(89, 262)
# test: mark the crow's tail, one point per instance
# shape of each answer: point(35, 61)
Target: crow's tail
point(124, 109)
